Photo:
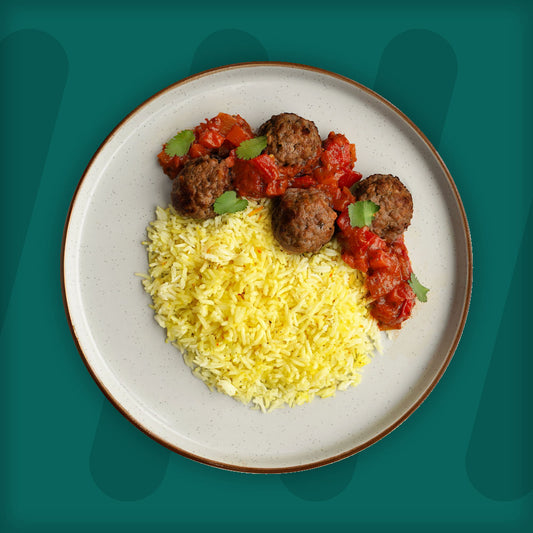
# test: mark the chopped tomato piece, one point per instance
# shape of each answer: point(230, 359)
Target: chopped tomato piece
point(338, 152)
point(329, 188)
point(381, 259)
point(223, 123)
point(343, 221)
point(348, 178)
point(197, 150)
point(210, 138)
point(290, 171)
point(251, 177)
point(237, 134)
point(244, 125)
point(399, 248)
point(303, 182)
point(406, 309)
point(381, 282)
point(358, 262)
point(266, 166)
point(362, 239)
point(343, 198)
point(277, 187)
point(247, 180)
point(325, 176)
point(400, 293)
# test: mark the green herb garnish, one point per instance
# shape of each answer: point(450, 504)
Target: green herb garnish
point(251, 148)
point(179, 144)
point(362, 213)
point(228, 202)
point(418, 288)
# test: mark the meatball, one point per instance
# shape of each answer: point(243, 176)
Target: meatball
point(395, 204)
point(293, 141)
point(302, 220)
point(195, 189)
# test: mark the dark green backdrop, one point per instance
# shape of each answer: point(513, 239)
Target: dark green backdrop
point(462, 71)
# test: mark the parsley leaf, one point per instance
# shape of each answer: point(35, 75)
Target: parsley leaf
point(361, 213)
point(251, 148)
point(418, 288)
point(229, 203)
point(179, 144)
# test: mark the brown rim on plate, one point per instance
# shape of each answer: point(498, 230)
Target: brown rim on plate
point(392, 426)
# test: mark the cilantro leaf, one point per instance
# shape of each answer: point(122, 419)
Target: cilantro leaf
point(251, 148)
point(229, 203)
point(179, 144)
point(361, 213)
point(418, 288)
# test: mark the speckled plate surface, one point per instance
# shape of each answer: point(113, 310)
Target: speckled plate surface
point(124, 348)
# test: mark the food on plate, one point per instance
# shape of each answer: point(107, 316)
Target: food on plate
point(197, 186)
point(254, 322)
point(314, 184)
point(277, 264)
point(293, 141)
point(303, 220)
point(395, 204)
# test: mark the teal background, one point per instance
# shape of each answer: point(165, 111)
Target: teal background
point(462, 71)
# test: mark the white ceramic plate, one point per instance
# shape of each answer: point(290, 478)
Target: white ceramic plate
point(124, 348)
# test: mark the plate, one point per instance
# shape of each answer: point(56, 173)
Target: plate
point(125, 350)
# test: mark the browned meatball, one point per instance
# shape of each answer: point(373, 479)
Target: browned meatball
point(293, 141)
point(395, 204)
point(201, 181)
point(302, 220)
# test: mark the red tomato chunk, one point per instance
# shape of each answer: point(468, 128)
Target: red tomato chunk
point(258, 177)
point(337, 153)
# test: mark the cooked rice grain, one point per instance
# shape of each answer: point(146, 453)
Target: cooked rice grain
point(254, 322)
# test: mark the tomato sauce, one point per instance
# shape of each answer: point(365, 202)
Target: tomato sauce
point(387, 268)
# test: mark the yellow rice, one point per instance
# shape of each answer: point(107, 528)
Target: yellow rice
point(263, 326)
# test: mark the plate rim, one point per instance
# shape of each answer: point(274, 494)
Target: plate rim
point(337, 457)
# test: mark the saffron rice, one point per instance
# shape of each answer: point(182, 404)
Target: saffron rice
point(252, 321)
